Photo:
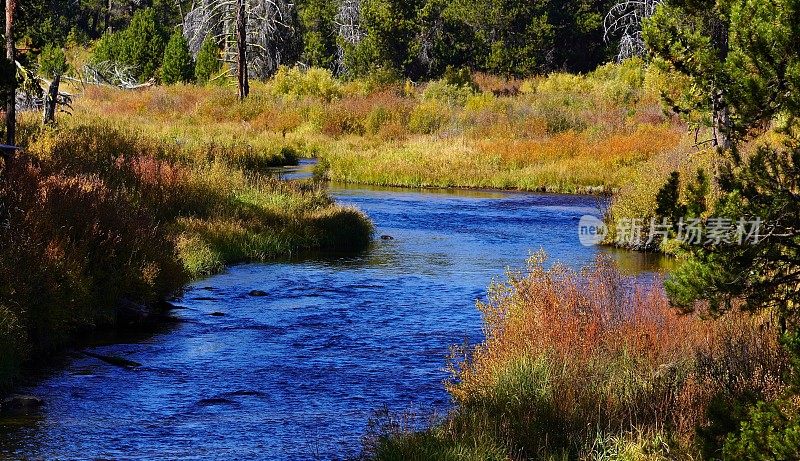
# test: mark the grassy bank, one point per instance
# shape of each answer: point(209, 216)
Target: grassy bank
point(592, 365)
point(561, 133)
point(96, 216)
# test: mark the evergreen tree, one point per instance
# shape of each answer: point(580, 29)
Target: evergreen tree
point(208, 62)
point(177, 65)
point(513, 38)
point(140, 46)
point(742, 58)
point(390, 30)
point(52, 61)
point(316, 19)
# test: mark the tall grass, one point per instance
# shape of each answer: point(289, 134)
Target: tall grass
point(565, 133)
point(590, 364)
point(74, 246)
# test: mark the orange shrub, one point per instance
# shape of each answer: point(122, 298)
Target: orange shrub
point(569, 354)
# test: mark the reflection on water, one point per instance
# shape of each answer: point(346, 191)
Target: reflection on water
point(296, 374)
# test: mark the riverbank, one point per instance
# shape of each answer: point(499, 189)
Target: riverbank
point(590, 364)
point(302, 369)
point(98, 218)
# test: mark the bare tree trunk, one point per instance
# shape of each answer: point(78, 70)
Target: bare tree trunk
point(718, 29)
point(108, 15)
point(241, 49)
point(50, 101)
point(720, 122)
point(11, 97)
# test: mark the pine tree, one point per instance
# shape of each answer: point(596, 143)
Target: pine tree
point(177, 65)
point(207, 61)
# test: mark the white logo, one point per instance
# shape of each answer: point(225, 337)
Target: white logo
point(591, 230)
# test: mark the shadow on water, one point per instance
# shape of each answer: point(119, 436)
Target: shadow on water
point(288, 360)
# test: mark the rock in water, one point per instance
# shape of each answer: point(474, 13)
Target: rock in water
point(131, 313)
point(387, 237)
point(20, 404)
point(111, 360)
point(258, 293)
point(217, 314)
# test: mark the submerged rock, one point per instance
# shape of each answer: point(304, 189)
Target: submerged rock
point(244, 393)
point(387, 237)
point(20, 404)
point(217, 314)
point(215, 401)
point(168, 306)
point(112, 360)
point(258, 293)
point(131, 313)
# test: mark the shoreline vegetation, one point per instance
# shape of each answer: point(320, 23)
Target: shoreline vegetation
point(118, 204)
point(561, 133)
point(102, 223)
point(591, 364)
point(139, 191)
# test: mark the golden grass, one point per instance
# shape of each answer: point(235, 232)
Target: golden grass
point(561, 133)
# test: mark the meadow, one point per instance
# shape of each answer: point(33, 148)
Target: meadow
point(560, 133)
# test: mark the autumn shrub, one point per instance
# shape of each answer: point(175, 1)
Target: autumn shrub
point(448, 93)
point(589, 363)
point(498, 85)
point(428, 117)
point(74, 248)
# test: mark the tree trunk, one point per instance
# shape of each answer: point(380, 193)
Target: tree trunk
point(721, 125)
point(11, 96)
point(241, 49)
point(721, 122)
point(51, 100)
point(108, 16)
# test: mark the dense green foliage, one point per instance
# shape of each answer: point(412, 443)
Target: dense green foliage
point(207, 63)
point(52, 61)
point(140, 46)
point(319, 34)
point(742, 58)
point(415, 39)
point(423, 38)
point(178, 65)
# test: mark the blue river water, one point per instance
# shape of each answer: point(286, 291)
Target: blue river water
point(298, 373)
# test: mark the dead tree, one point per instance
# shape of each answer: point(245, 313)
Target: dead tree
point(625, 20)
point(51, 100)
point(241, 51)
point(11, 97)
point(348, 20)
point(254, 34)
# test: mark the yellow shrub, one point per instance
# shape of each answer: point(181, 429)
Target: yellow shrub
point(314, 82)
point(428, 117)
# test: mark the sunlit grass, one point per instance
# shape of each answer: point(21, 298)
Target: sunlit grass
point(560, 133)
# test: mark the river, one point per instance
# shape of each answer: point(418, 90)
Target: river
point(297, 374)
